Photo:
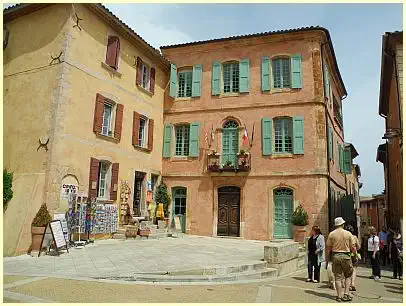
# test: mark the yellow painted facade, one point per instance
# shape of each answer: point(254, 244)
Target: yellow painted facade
point(58, 102)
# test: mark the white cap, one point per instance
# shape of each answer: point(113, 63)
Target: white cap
point(338, 221)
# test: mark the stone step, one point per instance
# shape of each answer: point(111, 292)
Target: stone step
point(121, 231)
point(222, 270)
point(118, 236)
point(255, 274)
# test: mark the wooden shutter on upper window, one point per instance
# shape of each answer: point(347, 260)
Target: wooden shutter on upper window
point(244, 75)
point(215, 79)
point(150, 134)
point(139, 71)
point(298, 135)
point(98, 114)
point(296, 70)
point(113, 51)
point(266, 124)
point(136, 127)
point(197, 80)
point(166, 152)
point(114, 181)
point(93, 177)
point(119, 121)
point(265, 73)
point(152, 80)
point(194, 139)
point(172, 81)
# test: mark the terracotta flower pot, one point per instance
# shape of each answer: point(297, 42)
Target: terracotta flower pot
point(36, 235)
point(299, 233)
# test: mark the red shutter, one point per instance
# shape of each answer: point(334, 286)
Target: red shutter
point(139, 71)
point(114, 181)
point(98, 114)
point(136, 127)
point(93, 178)
point(152, 80)
point(119, 121)
point(150, 134)
point(113, 51)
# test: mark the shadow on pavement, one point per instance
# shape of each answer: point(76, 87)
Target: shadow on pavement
point(394, 287)
point(320, 294)
point(397, 292)
point(300, 278)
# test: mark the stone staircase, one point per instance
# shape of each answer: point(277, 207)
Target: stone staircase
point(156, 233)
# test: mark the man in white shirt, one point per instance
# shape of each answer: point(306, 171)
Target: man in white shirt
point(373, 254)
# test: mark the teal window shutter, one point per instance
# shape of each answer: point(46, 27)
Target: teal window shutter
point(347, 161)
point(296, 70)
point(197, 80)
point(167, 140)
point(215, 79)
point(244, 75)
point(265, 73)
point(266, 136)
point(330, 143)
point(340, 158)
point(194, 139)
point(298, 135)
point(326, 82)
point(173, 81)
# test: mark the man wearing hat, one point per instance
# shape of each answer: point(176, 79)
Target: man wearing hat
point(341, 243)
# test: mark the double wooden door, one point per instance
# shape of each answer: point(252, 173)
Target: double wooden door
point(228, 223)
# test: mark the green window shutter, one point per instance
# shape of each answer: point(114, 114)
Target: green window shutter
point(244, 75)
point(167, 140)
point(326, 81)
point(330, 143)
point(197, 80)
point(298, 135)
point(340, 158)
point(347, 161)
point(215, 79)
point(266, 136)
point(194, 139)
point(173, 81)
point(265, 73)
point(296, 70)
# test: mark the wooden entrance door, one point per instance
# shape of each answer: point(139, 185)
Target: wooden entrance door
point(228, 223)
point(283, 199)
point(138, 181)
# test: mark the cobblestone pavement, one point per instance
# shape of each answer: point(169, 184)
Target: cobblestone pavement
point(291, 289)
point(119, 258)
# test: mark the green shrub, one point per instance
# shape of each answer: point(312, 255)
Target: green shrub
point(7, 188)
point(162, 196)
point(42, 218)
point(300, 217)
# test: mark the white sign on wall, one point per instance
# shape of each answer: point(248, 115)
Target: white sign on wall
point(67, 189)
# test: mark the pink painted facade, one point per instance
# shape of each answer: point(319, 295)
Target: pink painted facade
point(311, 176)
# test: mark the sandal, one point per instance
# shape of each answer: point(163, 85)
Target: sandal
point(346, 298)
point(308, 280)
point(352, 288)
point(338, 299)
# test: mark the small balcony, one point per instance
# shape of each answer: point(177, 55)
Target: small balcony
point(242, 163)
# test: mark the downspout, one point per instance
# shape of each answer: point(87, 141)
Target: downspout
point(327, 146)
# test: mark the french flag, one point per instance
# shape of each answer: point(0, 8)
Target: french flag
point(245, 135)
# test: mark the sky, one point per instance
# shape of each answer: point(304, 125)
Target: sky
point(356, 31)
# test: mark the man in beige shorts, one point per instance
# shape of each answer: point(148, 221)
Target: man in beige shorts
point(341, 243)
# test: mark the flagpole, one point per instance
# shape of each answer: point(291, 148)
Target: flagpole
point(252, 134)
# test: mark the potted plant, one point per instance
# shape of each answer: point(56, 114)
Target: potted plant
point(228, 166)
point(38, 225)
point(214, 167)
point(162, 197)
point(7, 188)
point(300, 220)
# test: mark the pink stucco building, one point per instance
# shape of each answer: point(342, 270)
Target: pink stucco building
point(284, 91)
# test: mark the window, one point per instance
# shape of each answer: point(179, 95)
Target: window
point(104, 177)
point(338, 111)
point(142, 133)
point(113, 51)
point(281, 73)
point(182, 140)
point(179, 197)
point(145, 76)
point(231, 73)
point(185, 84)
point(107, 120)
point(283, 135)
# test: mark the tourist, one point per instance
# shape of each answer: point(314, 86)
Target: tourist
point(373, 254)
point(315, 254)
point(383, 245)
point(341, 243)
point(396, 254)
point(355, 257)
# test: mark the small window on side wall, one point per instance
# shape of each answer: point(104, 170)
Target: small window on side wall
point(108, 117)
point(145, 76)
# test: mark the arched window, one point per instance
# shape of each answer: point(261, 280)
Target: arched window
point(281, 72)
point(230, 124)
point(283, 135)
point(231, 77)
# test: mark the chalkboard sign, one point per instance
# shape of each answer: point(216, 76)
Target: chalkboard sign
point(53, 233)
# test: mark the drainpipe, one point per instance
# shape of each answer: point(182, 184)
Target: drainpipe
point(328, 159)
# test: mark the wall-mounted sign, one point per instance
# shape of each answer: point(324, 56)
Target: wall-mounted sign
point(67, 189)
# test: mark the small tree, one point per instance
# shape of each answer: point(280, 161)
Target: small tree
point(300, 217)
point(42, 218)
point(7, 188)
point(162, 196)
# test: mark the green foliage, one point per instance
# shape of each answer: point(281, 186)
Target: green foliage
point(7, 188)
point(300, 217)
point(42, 217)
point(162, 196)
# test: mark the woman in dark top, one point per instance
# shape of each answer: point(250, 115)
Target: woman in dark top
point(315, 254)
point(396, 254)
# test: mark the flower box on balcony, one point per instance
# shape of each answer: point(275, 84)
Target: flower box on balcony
point(243, 168)
point(214, 168)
